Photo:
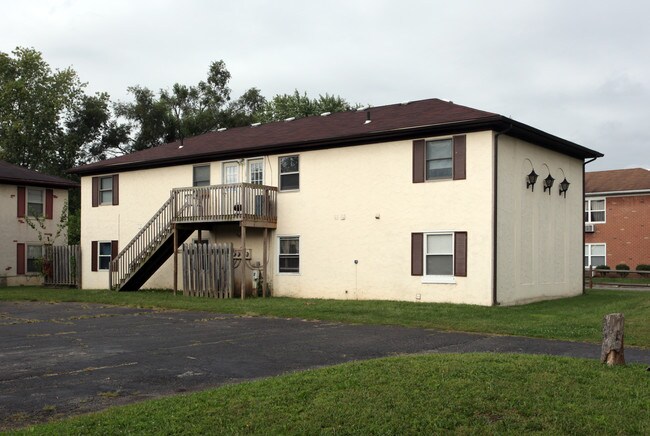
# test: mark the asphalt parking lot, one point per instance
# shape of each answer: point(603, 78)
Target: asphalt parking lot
point(60, 359)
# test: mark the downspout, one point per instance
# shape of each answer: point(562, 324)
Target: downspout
point(582, 211)
point(495, 197)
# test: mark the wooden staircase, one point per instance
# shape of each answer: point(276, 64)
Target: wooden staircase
point(188, 209)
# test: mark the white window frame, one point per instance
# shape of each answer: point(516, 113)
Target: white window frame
point(27, 270)
point(101, 199)
point(438, 278)
point(100, 255)
point(249, 163)
point(588, 254)
point(224, 171)
point(426, 159)
point(194, 180)
point(280, 173)
point(42, 202)
point(279, 240)
point(589, 210)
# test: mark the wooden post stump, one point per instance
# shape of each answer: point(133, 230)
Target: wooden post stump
point(612, 352)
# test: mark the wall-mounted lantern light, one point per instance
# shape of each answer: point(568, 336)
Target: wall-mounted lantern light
point(564, 186)
point(548, 183)
point(531, 179)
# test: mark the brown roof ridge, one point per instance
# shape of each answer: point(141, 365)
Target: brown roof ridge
point(427, 117)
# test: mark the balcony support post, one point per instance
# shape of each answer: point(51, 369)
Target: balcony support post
point(175, 259)
point(265, 258)
point(243, 262)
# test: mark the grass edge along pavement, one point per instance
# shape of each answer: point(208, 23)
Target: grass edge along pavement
point(573, 319)
point(433, 393)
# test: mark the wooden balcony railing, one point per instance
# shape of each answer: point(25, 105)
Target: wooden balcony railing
point(234, 202)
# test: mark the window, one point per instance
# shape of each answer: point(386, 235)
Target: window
point(34, 256)
point(34, 202)
point(289, 173)
point(595, 210)
point(289, 254)
point(104, 255)
point(201, 175)
point(439, 256)
point(256, 171)
point(106, 190)
point(439, 159)
point(230, 172)
point(595, 255)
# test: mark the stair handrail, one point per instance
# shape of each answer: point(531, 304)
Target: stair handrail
point(121, 267)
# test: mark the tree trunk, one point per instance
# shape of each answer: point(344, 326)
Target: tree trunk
point(612, 351)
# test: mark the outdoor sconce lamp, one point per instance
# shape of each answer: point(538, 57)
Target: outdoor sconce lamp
point(564, 186)
point(531, 179)
point(548, 183)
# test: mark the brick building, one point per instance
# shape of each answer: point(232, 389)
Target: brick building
point(617, 217)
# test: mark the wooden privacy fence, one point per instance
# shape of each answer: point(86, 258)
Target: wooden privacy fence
point(62, 265)
point(208, 270)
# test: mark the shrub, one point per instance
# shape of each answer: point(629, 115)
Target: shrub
point(643, 267)
point(602, 270)
point(622, 267)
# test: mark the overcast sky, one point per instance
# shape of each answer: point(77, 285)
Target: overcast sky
point(577, 69)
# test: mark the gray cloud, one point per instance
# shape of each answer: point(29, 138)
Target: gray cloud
point(576, 69)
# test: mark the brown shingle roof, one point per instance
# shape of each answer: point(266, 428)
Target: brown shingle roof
point(391, 122)
point(634, 179)
point(15, 175)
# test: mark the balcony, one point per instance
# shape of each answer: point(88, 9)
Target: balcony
point(250, 205)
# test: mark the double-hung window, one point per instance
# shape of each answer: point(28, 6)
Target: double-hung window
point(439, 255)
point(106, 190)
point(34, 256)
point(289, 254)
point(201, 175)
point(289, 173)
point(595, 255)
point(256, 171)
point(439, 159)
point(595, 210)
point(104, 255)
point(35, 202)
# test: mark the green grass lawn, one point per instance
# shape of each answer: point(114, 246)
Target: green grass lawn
point(629, 280)
point(426, 394)
point(575, 319)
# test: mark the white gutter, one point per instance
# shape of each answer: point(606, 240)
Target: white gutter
point(607, 193)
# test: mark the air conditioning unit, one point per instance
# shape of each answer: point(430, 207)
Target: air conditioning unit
point(590, 228)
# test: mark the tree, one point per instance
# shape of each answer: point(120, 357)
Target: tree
point(47, 122)
point(284, 106)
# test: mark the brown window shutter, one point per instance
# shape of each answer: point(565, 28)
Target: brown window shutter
point(417, 252)
point(116, 189)
point(459, 157)
point(49, 204)
point(95, 192)
point(21, 202)
point(113, 249)
point(20, 258)
point(93, 254)
point(460, 254)
point(418, 161)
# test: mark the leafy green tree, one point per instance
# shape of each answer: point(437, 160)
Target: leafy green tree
point(284, 106)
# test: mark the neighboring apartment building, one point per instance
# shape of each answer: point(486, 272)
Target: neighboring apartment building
point(617, 217)
point(420, 201)
point(23, 194)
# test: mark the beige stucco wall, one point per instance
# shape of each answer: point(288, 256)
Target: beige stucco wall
point(539, 248)
point(14, 230)
point(342, 191)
